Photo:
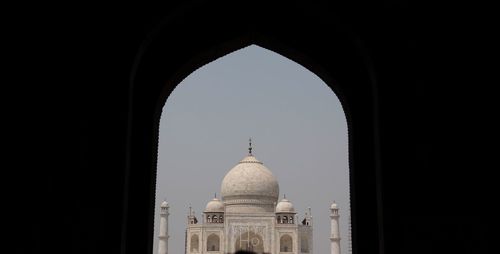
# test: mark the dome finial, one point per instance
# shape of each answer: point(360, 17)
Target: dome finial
point(284, 196)
point(250, 147)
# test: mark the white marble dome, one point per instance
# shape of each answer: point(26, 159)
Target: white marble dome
point(214, 206)
point(285, 206)
point(250, 182)
point(164, 204)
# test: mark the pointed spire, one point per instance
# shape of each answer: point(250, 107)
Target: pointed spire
point(250, 147)
point(284, 196)
point(215, 194)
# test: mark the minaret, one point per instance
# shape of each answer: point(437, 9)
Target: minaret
point(191, 217)
point(163, 237)
point(308, 221)
point(309, 218)
point(335, 233)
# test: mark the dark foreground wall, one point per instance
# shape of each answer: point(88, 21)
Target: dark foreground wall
point(86, 84)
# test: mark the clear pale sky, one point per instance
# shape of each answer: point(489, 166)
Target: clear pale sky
point(297, 125)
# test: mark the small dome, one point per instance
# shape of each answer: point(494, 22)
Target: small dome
point(334, 206)
point(164, 204)
point(285, 206)
point(214, 206)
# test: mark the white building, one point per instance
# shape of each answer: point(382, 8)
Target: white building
point(249, 217)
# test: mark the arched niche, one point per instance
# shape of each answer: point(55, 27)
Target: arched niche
point(286, 243)
point(249, 241)
point(213, 242)
point(194, 243)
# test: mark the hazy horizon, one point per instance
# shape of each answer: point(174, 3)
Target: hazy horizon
point(298, 130)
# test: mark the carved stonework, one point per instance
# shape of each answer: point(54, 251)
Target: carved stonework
point(239, 229)
point(249, 218)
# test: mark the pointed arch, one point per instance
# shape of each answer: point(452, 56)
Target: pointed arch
point(286, 243)
point(213, 242)
point(249, 241)
point(195, 243)
point(160, 65)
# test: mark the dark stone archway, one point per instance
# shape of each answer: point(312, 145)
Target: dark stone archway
point(172, 53)
point(82, 110)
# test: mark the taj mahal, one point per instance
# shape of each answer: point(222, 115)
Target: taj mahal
point(249, 216)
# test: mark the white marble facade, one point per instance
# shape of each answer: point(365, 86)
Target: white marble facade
point(249, 217)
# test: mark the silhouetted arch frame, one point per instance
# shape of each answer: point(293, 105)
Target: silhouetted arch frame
point(195, 35)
